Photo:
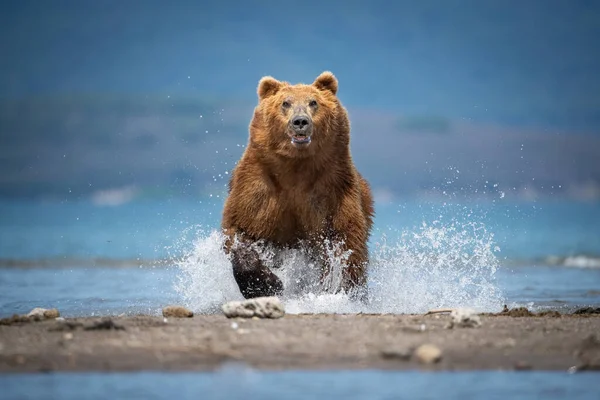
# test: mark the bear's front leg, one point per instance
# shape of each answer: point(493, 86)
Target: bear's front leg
point(254, 279)
point(354, 273)
point(349, 229)
point(250, 214)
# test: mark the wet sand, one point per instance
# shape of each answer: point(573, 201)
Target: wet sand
point(318, 341)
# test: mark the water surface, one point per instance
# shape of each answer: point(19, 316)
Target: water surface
point(135, 258)
point(247, 384)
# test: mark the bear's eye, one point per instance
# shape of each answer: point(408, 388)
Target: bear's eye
point(312, 103)
point(286, 104)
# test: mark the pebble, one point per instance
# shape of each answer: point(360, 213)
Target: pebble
point(261, 307)
point(36, 312)
point(16, 319)
point(465, 318)
point(43, 313)
point(177, 312)
point(428, 354)
point(396, 354)
point(522, 366)
point(572, 369)
point(68, 336)
point(587, 310)
point(51, 313)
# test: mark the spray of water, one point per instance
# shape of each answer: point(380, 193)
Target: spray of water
point(206, 279)
point(435, 265)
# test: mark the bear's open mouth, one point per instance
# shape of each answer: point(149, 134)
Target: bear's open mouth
point(300, 139)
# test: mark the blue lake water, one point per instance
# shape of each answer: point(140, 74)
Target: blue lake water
point(85, 259)
point(240, 383)
point(148, 229)
point(82, 291)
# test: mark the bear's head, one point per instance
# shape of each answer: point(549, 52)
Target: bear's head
point(299, 121)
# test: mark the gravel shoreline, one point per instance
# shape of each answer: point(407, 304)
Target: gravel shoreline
point(307, 341)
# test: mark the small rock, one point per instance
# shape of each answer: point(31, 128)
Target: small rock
point(177, 312)
point(428, 354)
point(516, 312)
point(36, 311)
point(549, 313)
point(572, 369)
point(68, 336)
point(51, 313)
point(465, 318)
point(587, 311)
point(522, 366)
point(42, 313)
point(261, 307)
point(396, 354)
point(15, 319)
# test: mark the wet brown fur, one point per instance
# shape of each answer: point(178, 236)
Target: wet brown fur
point(283, 194)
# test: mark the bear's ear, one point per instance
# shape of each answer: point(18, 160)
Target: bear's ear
point(268, 86)
point(326, 81)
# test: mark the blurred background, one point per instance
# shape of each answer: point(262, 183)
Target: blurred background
point(120, 121)
point(158, 97)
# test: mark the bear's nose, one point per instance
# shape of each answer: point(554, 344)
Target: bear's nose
point(300, 123)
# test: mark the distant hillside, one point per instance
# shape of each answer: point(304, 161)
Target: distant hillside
point(74, 146)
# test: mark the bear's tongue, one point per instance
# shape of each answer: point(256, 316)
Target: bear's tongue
point(300, 139)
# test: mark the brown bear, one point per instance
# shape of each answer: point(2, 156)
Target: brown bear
point(296, 183)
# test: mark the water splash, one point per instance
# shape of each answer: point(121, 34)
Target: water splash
point(206, 280)
point(435, 265)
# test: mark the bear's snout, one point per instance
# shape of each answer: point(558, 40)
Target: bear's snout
point(301, 124)
point(300, 130)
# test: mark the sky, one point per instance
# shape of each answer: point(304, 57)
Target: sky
point(506, 74)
